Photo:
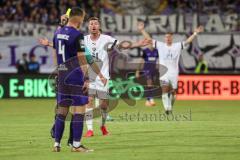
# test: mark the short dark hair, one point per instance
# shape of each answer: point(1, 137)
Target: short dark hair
point(94, 19)
point(76, 11)
point(171, 33)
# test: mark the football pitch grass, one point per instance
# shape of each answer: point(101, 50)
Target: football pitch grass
point(200, 130)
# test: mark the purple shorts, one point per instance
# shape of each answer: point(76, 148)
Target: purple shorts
point(149, 74)
point(71, 100)
point(70, 91)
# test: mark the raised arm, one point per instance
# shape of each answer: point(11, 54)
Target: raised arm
point(141, 29)
point(146, 35)
point(147, 41)
point(129, 44)
point(196, 31)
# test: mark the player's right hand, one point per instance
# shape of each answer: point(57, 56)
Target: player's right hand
point(43, 41)
point(145, 42)
point(104, 80)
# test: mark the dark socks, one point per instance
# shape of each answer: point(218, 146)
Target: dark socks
point(77, 126)
point(59, 127)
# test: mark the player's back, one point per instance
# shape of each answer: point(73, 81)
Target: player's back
point(66, 42)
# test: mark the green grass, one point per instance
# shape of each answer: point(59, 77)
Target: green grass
point(213, 132)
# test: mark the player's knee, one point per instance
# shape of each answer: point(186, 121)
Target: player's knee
point(104, 104)
point(62, 111)
point(174, 92)
point(90, 102)
point(77, 110)
point(149, 83)
point(90, 99)
point(165, 89)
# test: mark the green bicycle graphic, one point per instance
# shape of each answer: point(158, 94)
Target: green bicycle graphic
point(1, 91)
point(118, 87)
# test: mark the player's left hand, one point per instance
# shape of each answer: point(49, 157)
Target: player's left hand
point(144, 42)
point(43, 41)
point(199, 29)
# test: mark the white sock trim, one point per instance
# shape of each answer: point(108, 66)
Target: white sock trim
point(165, 101)
point(170, 97)
point(89, 118)
point(76, 144)
point(56, 144)
point(97, 102)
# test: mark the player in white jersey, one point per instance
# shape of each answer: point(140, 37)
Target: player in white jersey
point(96, 43)
point(169, 54)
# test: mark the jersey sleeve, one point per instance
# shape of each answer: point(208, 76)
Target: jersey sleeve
point(88, 56)
point(144, 54)
point(81, 48)
point(184, 45)
point(80, 43)
point(157, 44)
point(113, 41)
point(181, 45)
point(157, 54)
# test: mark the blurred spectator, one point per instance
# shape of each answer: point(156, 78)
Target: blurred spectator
point(170, 6)
point(33, 65)
point(43, 11)
point(202, 66)
point(49, 11)
point(22, 64)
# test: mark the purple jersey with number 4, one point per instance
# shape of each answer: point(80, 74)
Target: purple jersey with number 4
point(68, 42)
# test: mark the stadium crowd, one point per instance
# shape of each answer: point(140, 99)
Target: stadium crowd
point(49, 11)
point(43, 11)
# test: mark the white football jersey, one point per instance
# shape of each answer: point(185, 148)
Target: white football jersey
point(169, 55)
point(98, 51)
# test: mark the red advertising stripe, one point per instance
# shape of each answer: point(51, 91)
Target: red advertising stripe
point(208, 87)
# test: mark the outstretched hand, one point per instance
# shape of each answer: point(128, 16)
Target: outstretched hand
point(43, 41)
point(144, 42)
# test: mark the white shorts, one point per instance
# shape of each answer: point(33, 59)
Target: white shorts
point(171, 79)
point(97, 89)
